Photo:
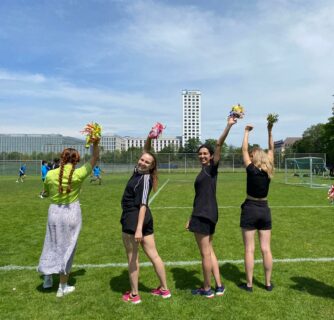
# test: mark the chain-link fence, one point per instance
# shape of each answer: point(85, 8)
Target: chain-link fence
point(167, 162)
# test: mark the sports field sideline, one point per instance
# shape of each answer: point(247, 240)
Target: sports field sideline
point(302, 245)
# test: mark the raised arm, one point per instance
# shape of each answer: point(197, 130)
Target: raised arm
point(270, 142)
point(217, 154)
point(147, 146)
point(95, 153)
point(245, 154)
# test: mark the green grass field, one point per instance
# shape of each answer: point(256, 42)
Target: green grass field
point(302, 228)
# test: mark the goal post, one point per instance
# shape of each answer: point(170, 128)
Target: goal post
point(307, 171)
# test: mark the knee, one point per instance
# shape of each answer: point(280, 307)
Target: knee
point(249, 250)
point(265, 250)
point(206, 254)
point(155, 257)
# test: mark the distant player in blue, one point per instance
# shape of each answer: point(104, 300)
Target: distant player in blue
point(44, 170)
point(96, 174)
point(22, 173)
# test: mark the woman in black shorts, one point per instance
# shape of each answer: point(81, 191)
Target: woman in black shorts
point(137, 224)
point(255, 213)
point(205, 213)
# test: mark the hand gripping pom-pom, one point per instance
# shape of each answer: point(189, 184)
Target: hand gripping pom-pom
point(272, 118)
point(92, 132)
point(331, 194)
point(237, 111)
point(156, 131)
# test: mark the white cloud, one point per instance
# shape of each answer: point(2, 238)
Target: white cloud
point(127, 72)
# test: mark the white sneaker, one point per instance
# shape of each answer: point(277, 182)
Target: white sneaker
point(63, 292)
point(48, 281)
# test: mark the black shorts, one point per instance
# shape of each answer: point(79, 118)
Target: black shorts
point(255, 215)
point(129, 222)
point(201, 225)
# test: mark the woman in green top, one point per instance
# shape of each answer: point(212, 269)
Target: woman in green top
point(63, 185)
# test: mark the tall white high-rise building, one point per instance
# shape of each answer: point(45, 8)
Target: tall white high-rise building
point(191, 109)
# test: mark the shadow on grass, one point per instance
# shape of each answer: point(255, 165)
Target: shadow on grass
point(186, 279)
point(232, 273)
point(121, 283)
point(313, 287)
point(72, 281)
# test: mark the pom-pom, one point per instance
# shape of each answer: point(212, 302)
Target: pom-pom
point(272, 118)
point(237, 111)
point(331, 194)
point(156, 131)
point(92, 132)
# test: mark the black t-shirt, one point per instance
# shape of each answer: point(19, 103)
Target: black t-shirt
point(136, 192)
point(205, 203)
point(257, 182)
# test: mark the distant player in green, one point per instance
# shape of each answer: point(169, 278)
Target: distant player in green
point(22, 173)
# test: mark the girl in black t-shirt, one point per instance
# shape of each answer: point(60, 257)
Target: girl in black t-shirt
point(205, 213)
point(255, 213)
point(137, 225)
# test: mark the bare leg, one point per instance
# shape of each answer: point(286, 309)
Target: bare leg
point(203, 242)
point(63, 278)
point(249, 244)
point(264, 237)
point(131, 248)
point(150, 250)
point(215, 265)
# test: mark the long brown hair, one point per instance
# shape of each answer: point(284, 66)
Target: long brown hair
point(153, 171)
point(262, 161)
point(69, 155)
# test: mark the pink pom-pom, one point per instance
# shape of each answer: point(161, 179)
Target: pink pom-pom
point(331, 193)
point(156, 131)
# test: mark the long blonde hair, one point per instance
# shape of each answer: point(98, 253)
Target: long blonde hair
point(262, 161)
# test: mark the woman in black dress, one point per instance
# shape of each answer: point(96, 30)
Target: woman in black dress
point(137, 225)
point(205, 213)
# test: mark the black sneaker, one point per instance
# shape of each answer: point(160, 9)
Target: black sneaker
point(219, 291)
point(269, 288)
point(244, 286)
point(205, 293)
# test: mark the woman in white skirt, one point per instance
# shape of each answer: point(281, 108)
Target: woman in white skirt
point(63, 185)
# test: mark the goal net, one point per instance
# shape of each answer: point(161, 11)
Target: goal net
point(307, 171)
point(12, 167)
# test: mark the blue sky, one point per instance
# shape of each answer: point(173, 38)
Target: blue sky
point(125, 63)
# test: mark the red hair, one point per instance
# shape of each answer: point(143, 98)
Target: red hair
point(69, 155)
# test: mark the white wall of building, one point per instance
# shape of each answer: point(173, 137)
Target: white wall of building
point(191, 115)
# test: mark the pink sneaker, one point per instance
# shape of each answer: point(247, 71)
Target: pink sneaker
point(163, 293)
point(127, 297)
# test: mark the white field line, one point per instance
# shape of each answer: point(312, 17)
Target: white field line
point(226, 207)
point(151, 200)
point(170, 263)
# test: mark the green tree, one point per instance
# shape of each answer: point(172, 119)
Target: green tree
point(328, 139)
point(312, 140)
point(192, 145)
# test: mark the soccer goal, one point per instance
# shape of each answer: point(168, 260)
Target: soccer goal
point(12, 167)
point(307, 171)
